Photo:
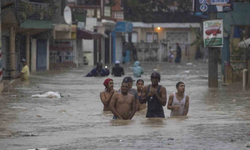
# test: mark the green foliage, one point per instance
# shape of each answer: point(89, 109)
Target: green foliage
point(199, 39)
point(136, 10)
point(28, 10)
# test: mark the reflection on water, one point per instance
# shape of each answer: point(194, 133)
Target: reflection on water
point(217, 118)
point(154, 122)
point(118, 122)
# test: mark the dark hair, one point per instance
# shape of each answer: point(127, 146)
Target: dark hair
point(178, 84)
point(139, 81)
point(124, 82)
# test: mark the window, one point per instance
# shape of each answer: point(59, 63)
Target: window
point(122, 4)
point(118, 15)
point(107, 11)
point(63, 4)
point(98, 12)
point(149, 37)
point(134, 37)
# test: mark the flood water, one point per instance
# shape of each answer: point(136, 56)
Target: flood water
point(218, 118)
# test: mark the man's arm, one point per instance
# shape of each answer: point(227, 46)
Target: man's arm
point(145, 96)
point(133, 106)
point(142, 71)
point(186, 106)
point(162, 98)
point(19, 75)
point(105, 100)
point(112, 106)
point(123, 71)
point(112, 72)
point(170, 101)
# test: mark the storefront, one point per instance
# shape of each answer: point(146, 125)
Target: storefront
point(118, 34)
point(63, 48)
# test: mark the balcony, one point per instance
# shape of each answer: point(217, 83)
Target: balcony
point(35, 11)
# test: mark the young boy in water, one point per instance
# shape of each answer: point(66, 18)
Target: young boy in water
point(123, 104)
point(178, 102)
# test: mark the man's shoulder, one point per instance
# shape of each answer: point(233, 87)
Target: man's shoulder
point(146, 86)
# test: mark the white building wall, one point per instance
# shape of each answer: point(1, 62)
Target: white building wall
point(118, 48)
point(88, 45)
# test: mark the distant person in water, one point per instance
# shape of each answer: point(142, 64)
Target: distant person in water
point(98, 71)
point(178, 102)
point(123, 104)
point(137, 69)
point(156, 97)
point(140, 85)
point(117, 70)
point(106, 95)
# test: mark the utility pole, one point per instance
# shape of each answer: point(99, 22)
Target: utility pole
point(213, 55)
point(1, 71)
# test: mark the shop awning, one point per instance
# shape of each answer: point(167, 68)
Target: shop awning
point(87, 34)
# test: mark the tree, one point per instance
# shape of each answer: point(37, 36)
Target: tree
point(158, 10)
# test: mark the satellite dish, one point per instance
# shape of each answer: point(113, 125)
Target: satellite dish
point(67, 15)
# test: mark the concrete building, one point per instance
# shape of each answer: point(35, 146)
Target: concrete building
point(27, 27)
point(171, 33)
point(98, 20)
point(236, 28)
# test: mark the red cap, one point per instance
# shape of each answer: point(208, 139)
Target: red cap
point(106, 82)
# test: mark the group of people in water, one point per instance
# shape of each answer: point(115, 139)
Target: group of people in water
point(124, 103)
point(117, 70)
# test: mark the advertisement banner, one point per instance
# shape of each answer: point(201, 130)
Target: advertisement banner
point(213, 33)
point(212, 5)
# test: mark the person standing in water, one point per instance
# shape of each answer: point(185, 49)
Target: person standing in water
point(123, 104)
point(106, 95)
point(137, 69)
point(178, 102)
point(117, 70)
point(24, 74)
point(156, 96)
point(140, 85)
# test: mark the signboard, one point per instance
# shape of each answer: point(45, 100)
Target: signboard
point(212, 5)
point(213, 33)
point(123, 26)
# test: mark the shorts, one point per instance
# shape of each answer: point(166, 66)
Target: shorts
point(114, 117)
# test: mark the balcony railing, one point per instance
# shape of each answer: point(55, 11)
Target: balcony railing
point(35, 11)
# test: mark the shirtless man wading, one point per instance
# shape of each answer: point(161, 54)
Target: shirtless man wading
point(106, 95)
point(123, 104)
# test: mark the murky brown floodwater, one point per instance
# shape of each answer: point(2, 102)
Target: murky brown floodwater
point(218, 118)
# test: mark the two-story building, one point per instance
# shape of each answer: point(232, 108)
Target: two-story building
point(94, 29)
point(26, 26)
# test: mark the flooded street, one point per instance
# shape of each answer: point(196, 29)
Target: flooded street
point(217, 119)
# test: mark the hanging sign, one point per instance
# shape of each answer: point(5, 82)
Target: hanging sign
point(213, 33)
